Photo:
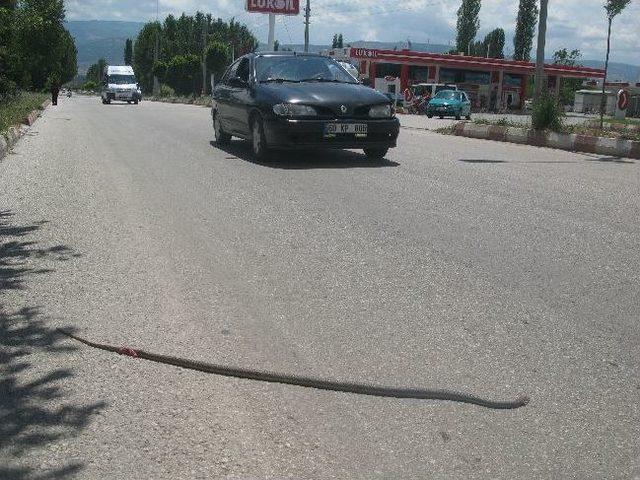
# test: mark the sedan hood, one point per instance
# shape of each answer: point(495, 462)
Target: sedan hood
point(324, 94)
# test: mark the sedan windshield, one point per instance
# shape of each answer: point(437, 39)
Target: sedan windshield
point(448, 95)
point(300, 69)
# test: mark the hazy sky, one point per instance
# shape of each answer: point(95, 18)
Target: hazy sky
point(572, 23)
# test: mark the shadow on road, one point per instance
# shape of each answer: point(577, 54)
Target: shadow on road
point(480, 160)
point(33, 409)
point(303, 160)
point(609, 160)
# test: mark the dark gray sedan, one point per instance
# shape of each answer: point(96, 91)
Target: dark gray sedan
point(285, 100)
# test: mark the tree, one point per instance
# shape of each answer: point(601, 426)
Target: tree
point(334, 43)
point(468, 24)
point(43, 49)
point(494, 44)
point(144, 55)
point(569, 85)
point(340, 41)
point(183, 72)
point(276, 45)
point(128, 52)
point(525, 30)
point(184, 36)
point(96, 71)
point(613, 9)
point(218, 57)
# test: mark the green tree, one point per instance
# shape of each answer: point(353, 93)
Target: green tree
point(128, 52)
point(183, 36)
point(96, 71)
point(334, 43)
point(494, 44)
point(276, 45)
point(569, 85)
point(340, 41)
point(44, 50)
point(525, 29)
point(613, 9)
point(144, 55)
point(7, 18)
point(468, 24)
point(183, 72)
point(218, 57)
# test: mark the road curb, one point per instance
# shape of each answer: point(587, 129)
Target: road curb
point(615, 147)
point(15, 132)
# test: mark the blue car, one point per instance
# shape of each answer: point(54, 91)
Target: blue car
point(450, 103)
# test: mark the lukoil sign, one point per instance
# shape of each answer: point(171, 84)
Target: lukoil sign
point(278, 7)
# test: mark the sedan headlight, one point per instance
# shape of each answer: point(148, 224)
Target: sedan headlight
point(380, 111)
point(294, 110)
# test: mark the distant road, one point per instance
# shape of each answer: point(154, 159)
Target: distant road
point(490, 268)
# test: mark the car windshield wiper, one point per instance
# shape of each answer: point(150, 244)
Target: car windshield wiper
point(278, 80)
point(327, 80)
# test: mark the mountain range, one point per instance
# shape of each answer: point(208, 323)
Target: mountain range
point(97, 39)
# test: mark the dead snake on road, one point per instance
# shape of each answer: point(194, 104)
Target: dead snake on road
point(270, 377)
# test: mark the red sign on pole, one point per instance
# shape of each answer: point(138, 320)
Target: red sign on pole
point(278, 7)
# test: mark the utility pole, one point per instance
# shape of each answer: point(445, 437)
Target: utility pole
point(205, 27)
point(307, 14)
point(156, 83)
point(542, 38)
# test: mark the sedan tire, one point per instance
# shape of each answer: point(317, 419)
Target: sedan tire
point(375, 153)
point(258, 139)
point(222, 137)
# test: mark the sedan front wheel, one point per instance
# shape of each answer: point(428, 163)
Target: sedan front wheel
point(375, 153)
point(258, 139)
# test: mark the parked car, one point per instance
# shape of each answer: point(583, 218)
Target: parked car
point(450, 103)
point(286, 100)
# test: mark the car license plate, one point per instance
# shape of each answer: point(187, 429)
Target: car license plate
point(333, 129)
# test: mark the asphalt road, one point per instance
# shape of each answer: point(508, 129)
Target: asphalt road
point(489, 268)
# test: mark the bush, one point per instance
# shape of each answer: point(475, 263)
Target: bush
point(14, 110)
point(167, 91)
point(182, 73)
point(8, 89)
point(90, 86)
point(547, 114)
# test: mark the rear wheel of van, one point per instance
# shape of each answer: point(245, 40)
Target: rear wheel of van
point(135, 102)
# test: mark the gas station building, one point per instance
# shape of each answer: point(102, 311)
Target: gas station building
point(482, 78)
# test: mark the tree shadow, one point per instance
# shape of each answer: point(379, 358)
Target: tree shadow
point(34, 408)
point(303, 160)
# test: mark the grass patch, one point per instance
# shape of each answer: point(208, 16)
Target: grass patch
point(606, 132)
point(501, 122)
point(15, 110)
point(448, 130)
point(623, 121)
point(202, 101)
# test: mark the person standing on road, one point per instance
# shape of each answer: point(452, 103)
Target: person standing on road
point(54, 86)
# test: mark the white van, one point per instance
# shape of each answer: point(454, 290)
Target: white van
point(119, 83)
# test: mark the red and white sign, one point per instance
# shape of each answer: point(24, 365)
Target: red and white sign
point(363, 53)
point(278, 7)
point(623, 100)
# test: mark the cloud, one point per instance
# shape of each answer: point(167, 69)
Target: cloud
point(572, 23)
